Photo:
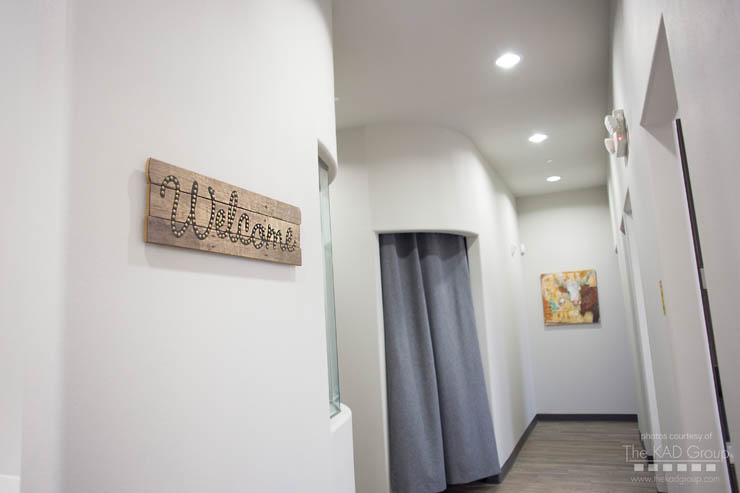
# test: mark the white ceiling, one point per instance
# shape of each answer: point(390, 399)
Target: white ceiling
point(432, 61)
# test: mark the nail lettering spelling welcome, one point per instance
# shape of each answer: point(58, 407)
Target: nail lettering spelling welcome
point(245, 224)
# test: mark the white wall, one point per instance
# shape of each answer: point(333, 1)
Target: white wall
point(423, 178)
point(700, 38)
point(31, 248)
point(359, 313)
point(13, 98)
point(577, 368)
point(154, 369)
point(633, 293)
point(10, 484)
point(342, 457)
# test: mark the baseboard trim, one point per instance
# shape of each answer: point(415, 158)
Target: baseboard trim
point(587, 417)
point(650, 458)
point(499, 478)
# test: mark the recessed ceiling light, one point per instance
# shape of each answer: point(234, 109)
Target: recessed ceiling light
point(508, 60)
point(553, 178)
point(537, 138)
point(548, 161)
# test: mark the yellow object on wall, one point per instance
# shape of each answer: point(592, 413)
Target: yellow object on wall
point(662, 297)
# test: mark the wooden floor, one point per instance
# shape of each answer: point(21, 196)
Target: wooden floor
point(573, 456)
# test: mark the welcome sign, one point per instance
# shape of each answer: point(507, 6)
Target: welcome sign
point(189, 210)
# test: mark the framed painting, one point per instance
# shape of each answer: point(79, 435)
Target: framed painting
point(570, 297)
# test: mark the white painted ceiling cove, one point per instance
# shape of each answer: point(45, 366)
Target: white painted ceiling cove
point(432, 62)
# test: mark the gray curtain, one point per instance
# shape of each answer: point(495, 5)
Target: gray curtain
point(440, 429)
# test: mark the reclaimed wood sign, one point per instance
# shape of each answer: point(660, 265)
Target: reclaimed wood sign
point(188, 210)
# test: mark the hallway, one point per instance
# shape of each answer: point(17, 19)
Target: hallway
point(573, 456)
point(369, 246)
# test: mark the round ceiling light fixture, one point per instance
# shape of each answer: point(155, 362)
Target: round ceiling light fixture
point(553, 179)
point(508, 60)
point(537, 138)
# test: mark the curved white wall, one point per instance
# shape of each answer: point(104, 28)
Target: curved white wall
point(155, 369)
point(423, 178)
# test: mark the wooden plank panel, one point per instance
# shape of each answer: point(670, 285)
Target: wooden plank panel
point(189, 210)
point(161, 207)
point(157, 171)
point(159, 231)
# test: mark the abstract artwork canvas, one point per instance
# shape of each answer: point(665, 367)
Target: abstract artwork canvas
point(570, 297)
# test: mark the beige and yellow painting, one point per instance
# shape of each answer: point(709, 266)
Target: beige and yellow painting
point(570, 297)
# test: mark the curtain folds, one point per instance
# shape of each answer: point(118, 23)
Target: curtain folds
point(440, 428)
